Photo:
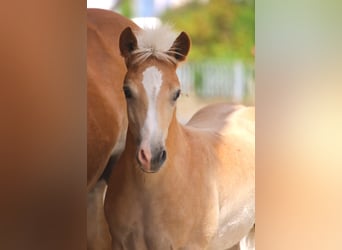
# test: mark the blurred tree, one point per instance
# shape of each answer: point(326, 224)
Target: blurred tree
point(219, 29)
point(124, 7)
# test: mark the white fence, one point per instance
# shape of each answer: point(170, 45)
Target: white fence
point(234, 81)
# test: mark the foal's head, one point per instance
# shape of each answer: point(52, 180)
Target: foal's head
point(152, 88)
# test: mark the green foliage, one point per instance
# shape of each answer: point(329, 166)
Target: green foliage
point(126, 8)
point(219, 29)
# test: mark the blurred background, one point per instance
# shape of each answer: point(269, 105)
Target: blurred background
point(220, 65)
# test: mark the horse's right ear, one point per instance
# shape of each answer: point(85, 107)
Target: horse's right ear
point(128, 42)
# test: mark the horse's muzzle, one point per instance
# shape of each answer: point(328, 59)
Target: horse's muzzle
point(151, 162)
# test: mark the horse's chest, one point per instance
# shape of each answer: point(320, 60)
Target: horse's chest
point(167, 228)
point(142, 236)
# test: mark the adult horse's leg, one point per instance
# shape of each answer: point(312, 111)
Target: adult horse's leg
point(98, 236)
point(97, 228)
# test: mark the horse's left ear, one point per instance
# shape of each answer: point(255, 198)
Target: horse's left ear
point(180, 47)
point(127, 42)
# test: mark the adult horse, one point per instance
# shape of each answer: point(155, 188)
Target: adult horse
point(178, 186)
point(106, 111)
point(106, 106)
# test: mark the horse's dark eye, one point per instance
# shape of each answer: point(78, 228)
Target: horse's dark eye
point(176, 95)
point(128, 92)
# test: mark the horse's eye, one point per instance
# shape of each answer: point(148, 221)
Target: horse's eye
point(176, 95)
point(128, 92)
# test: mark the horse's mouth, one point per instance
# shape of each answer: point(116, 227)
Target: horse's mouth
point(146, 170)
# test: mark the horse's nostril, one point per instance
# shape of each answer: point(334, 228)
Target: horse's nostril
point(143, 156)
point(163, 156)
point(158, 159)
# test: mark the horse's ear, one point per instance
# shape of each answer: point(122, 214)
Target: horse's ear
point(180, 47)
point(128, 42)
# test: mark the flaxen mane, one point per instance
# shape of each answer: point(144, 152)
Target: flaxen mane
point(158, 43)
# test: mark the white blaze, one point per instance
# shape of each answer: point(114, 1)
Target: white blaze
point(152, 80)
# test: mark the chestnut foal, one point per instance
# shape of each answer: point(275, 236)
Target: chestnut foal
point(178, 186)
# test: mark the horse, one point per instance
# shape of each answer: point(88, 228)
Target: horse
point(106, 105)
point(178, 186)
point(106, 113)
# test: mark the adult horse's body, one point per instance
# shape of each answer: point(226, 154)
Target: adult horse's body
point(106, 110)
point(107, 117)
point(175, 186)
